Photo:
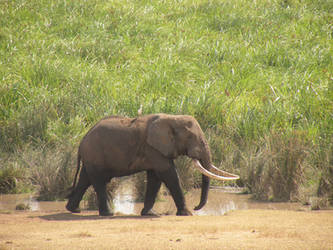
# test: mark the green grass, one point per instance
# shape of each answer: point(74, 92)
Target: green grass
point(247, 70)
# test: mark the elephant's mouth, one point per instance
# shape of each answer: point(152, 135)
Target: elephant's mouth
point(214, 172)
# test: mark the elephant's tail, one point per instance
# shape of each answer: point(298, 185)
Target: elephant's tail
point(77, 168)
point(71, 190)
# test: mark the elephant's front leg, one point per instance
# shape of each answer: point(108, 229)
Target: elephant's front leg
point(153, 186)
point(171, 180)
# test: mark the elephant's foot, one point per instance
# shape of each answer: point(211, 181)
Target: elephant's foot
point(149, 212)
point(184, 212)
point(73, 209)
point(105, 213)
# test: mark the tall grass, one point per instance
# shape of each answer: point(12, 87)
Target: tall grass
point(249, 71)
point(278, 168)
point(47, 170)
point(13, 180)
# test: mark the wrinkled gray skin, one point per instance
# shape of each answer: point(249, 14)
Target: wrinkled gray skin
point(119, 146)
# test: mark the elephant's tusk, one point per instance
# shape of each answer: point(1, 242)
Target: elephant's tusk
point(214, 176)
point(223, 173)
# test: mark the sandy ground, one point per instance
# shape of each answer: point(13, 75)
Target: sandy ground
point(241, 229)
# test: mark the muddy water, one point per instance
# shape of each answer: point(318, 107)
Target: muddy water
point(10, 201)
point(220, 201)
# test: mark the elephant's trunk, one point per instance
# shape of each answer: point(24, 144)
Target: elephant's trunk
point(203, 162)
point(204, 192)
point(206, 161)
point(207, 173)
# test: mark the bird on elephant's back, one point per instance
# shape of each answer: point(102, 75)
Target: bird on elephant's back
point(119, 146)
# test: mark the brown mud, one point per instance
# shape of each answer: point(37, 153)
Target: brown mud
point(241, 229)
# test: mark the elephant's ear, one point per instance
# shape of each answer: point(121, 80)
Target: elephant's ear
point(161, 137)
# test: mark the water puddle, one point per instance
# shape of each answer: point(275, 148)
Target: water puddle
point(220, 201)
point(123, 201)
point(11, 201)
point(223, 201)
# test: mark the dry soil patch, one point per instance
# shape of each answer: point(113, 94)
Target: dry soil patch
point(243, 229)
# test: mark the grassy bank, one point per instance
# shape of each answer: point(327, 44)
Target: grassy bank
point(256, 74)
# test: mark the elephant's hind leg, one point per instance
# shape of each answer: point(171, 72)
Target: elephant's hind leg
point(153, 186)
point(76, 196)
point(103, 199)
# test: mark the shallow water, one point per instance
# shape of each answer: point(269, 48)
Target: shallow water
point(220, 201)
point(10, 201)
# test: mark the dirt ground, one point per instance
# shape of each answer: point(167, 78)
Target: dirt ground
point(241, 229)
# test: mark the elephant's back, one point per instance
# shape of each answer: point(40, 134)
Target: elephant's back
point(112, 141)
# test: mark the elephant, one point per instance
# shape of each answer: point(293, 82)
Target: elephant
point(120, 146)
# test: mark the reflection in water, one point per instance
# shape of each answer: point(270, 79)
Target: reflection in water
point(221, 210)
point(124, 204)
point(220, 201)
point(124, 200)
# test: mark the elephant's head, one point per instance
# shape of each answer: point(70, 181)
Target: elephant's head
point(174, 135)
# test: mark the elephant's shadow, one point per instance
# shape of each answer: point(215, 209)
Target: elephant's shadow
point(72, 217)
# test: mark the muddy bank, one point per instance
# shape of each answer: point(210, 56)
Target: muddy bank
point(229, 221)
point(241, 229)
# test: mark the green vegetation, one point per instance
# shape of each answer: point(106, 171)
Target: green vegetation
point(12, 180)
point(258, 76)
